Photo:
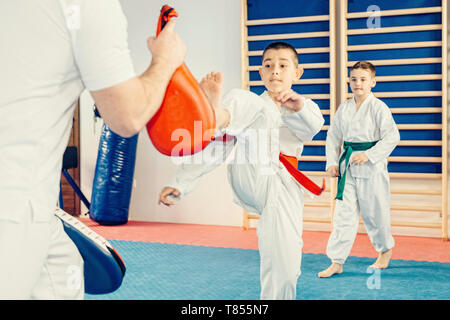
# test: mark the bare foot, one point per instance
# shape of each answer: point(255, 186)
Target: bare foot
point(383, 260)
point(212, 86)
point(334, 268)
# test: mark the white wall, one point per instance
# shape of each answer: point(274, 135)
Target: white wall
point(211, 31)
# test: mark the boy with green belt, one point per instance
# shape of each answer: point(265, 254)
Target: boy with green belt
point(366, 128)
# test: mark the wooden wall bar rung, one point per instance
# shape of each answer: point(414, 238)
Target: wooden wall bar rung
point(314, 143)
point(379, 79)
point(392, 62)
point(393, 223)
point(416, 208)
point(395, 45)
point(301, 81)
point(404, 94)
point(416, 77)
point(316, 173)
point(407, 143)
point(398, 175)
point(317, 96)
point(416, 143)
point(299, 51)
point(303, 65)
point(260, 22)
point(412, 224)
point(318, 204)
point(390, 159)
point(416, 110)
point(397, 12)
point(319, 34)
point(413, 175)
point(395, 29)
point(317, 219)
point(416, 192)
point(416, 159)
point(253, 216)
point(419, 126)
point(393, 207)
point(405, 126)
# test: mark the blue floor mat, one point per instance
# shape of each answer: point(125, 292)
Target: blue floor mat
point(158, 271)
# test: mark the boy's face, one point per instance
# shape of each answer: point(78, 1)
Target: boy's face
point(278, 70)
point(361, 82)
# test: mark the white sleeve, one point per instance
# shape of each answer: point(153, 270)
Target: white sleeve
point(307, 122)
point(99, 41)
point(189, 172)
point(245, 107)
point(334, 140)
point(389, 135)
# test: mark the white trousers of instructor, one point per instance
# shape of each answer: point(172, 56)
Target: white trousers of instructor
point(39, 261)
point(366, 192)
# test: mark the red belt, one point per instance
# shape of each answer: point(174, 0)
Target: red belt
point(291, 164)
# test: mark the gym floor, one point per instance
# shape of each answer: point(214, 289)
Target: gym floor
point(169, 261)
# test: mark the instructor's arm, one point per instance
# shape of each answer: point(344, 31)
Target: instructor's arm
point(127, 107)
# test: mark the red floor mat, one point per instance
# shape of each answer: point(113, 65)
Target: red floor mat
point(406, 248)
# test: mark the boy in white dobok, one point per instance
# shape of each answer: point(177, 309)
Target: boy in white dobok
point(282, 120)
point(365, 127)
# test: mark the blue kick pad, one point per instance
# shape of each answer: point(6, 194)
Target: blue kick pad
point(158, 271)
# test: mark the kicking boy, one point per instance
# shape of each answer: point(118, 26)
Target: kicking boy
point(260, 186)
point(364, 124)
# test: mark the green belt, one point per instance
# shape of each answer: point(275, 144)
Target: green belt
point(349, 147)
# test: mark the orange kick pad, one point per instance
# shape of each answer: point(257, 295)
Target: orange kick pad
point(185, 122)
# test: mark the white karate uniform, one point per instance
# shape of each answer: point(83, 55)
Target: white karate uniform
point(366, 186)
point(51, 51)
point(261, 184)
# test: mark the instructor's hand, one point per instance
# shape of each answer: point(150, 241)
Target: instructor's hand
point(167, 192)
point(167, 48)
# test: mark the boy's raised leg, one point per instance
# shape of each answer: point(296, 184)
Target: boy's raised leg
point(212, 86)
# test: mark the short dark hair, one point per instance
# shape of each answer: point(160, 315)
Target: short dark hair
point(281, 45)
point(366, 65)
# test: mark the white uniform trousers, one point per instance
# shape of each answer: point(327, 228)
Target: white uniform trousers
point(39, 261)
point(371, 198)
point(280, 242)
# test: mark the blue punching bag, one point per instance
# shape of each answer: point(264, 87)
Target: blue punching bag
point(113, 179)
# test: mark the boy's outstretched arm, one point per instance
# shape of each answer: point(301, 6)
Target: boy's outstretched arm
point(193, 168)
